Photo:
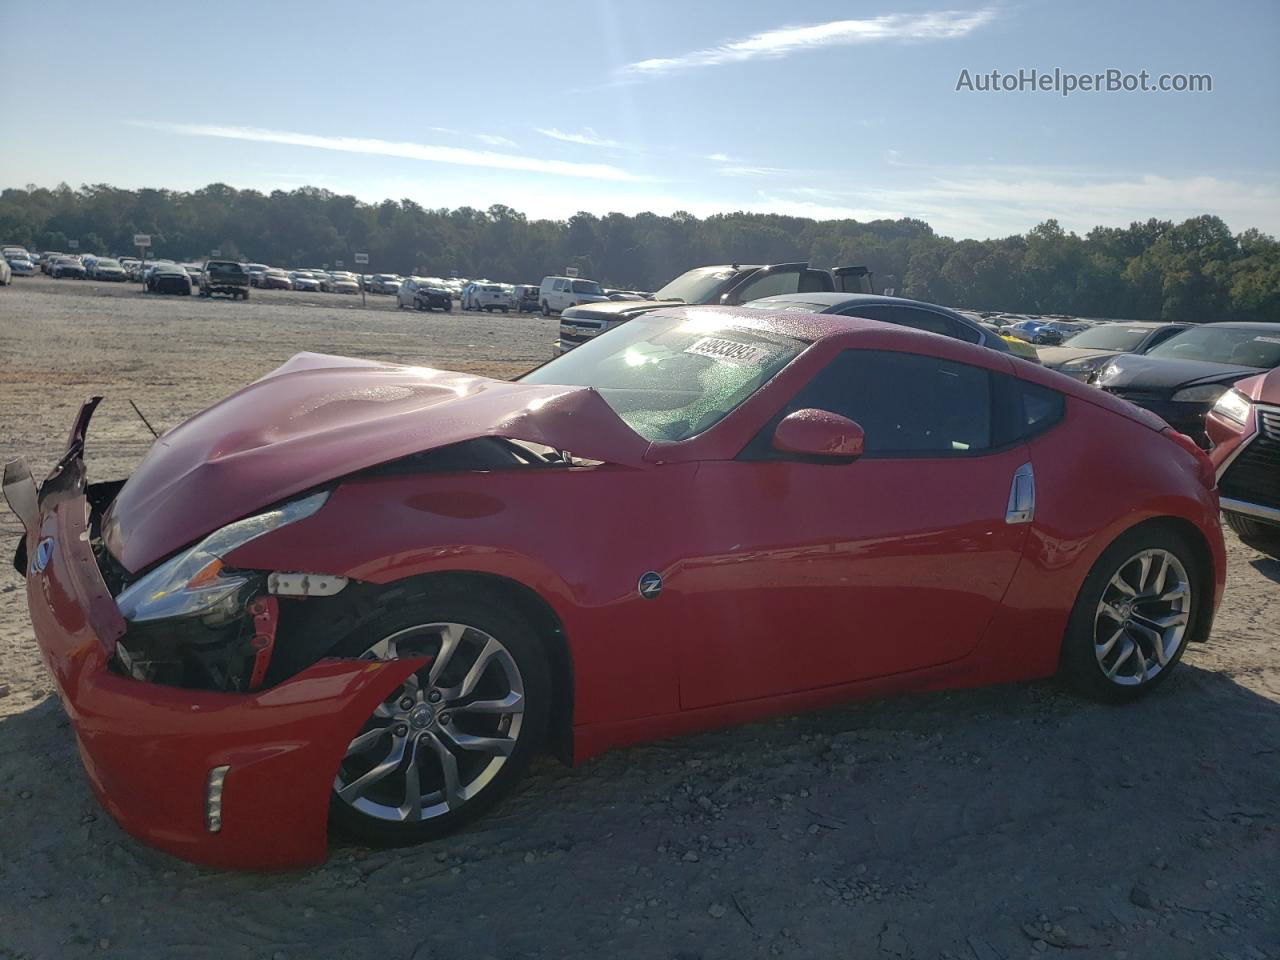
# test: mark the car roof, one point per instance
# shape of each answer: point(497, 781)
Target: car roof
point(1262, 326)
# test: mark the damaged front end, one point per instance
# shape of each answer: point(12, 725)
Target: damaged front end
point(184, 739)
point(194, 621)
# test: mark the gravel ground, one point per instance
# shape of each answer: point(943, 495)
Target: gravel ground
point(1010, 822)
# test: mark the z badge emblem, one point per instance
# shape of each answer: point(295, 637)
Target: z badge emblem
point(44, 553)
point(650, 585)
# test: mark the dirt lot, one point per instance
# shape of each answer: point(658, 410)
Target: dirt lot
point(1001, 823)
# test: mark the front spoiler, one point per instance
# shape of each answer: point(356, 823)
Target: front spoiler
point(148, 748)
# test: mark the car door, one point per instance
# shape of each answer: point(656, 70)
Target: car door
point(812, 574)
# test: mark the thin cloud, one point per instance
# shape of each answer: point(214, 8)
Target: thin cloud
point(719, 158)
point(494, 140)
point(772, 44)
point(588, 137)
point(748, 171)
point(459, 156)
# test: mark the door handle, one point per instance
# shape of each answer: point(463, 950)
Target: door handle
point(1022, 496)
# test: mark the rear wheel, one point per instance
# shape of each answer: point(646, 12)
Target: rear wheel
point(458, 734)
point(1258, 534)
point(1135, 613)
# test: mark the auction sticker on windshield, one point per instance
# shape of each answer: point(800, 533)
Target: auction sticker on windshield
point(730, 351)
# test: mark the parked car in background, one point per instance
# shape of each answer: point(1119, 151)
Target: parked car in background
point(526, 297)
point(275, 280)
point(105, 268)
point(490, 296)
point(385, 283)
point(343, 282)
point(557, 294)
point(622, 295)
point(21, 266)
point(47, 260)
point(426, 570)
point(1244, 428)
point(256, 272)
point(227, 278)
point(423, 293)
point(727, 284)
point(1034, 331)
point(303, 280)
point(1082, 355)
point(65, 267)
point(896, 310)
point(1182, 378)
point(168, 278)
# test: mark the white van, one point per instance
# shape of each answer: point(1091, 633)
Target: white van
point(560, 293)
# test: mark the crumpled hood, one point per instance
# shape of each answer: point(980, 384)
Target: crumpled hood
point(1145, 372)
point(319, 418)
point(613, 310)
point(1264, 388)
point(1054, 357)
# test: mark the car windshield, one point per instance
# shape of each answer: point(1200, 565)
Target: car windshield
point(588, 287)
point(696, 286)
point(1244, 347)
point(672, 381)
point(1109, 336)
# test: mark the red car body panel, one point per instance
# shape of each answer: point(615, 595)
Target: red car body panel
point(318, 418)
point(903, 573)
point(1227, 435)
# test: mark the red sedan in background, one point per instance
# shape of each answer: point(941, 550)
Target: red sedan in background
point(1244, 428)
point(370, 591)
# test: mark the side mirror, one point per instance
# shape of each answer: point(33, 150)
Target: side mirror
point(818, 433)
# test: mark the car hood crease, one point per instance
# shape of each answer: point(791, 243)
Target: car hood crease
point(318, 418)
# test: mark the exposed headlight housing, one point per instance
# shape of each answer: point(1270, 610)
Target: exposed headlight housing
point(1110, 370)
point(193, 582)
point(1233, 405)
point(1209, 393)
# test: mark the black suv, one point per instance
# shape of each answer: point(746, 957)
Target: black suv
point(730, 284)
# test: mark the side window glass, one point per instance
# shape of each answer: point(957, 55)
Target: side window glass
point(925, 320)
point(560, 285)
point(1041, 408)
point(770, 285)
point(907, 404)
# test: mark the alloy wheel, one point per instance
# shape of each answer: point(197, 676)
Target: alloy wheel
point(442, 737)
point(1142, 617)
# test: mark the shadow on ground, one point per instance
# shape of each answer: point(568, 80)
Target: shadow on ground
point(963, 824)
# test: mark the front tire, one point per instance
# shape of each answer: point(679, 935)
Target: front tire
point(1261, 536)
point(1138, 608)
point(459, 734)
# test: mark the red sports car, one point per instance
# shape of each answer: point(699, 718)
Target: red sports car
point(1244, 427)
point(367, 593)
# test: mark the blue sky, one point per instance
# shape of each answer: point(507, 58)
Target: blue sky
point(825, 109)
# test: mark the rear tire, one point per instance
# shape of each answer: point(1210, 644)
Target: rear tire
point(1258, 534)
point(1140, 605)
point(430, 714)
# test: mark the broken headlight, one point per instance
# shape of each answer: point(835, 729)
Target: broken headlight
point(193, 582)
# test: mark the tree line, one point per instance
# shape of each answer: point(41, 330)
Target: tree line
point(1197, 270)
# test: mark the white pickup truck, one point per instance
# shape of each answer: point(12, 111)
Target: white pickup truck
point(727, 284)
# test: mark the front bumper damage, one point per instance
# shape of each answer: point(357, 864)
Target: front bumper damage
point(150, 750)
